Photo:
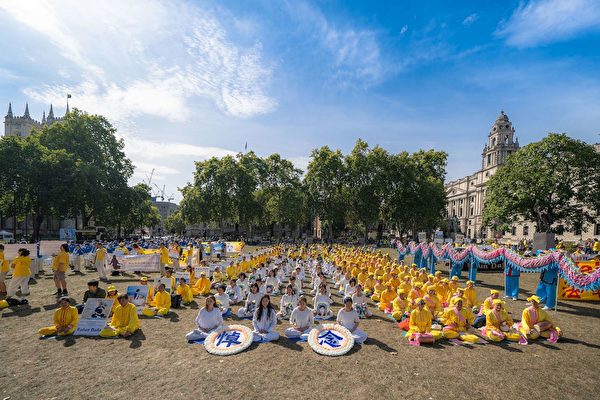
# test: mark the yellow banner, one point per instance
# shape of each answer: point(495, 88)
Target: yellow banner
point(566, 292)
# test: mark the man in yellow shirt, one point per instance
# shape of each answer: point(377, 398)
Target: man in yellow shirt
point(161, 304)
point(124, 321)
point(164, 258)
point(65, 320)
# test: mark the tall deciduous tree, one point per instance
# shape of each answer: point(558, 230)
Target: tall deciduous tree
point(554, 182)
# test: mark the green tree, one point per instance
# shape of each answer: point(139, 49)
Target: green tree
point(324, 181)
point(100, 170)
point(142, 214)
point(175, 224)
point(553, 182)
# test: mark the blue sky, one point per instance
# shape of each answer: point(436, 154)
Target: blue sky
point(186, 80)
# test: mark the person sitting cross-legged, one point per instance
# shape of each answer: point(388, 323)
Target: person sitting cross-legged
point(65, 320)
point(124, 321)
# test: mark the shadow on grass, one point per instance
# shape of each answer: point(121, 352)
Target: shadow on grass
point(380, 344)
point(21, 311)
point(575, 341)
point(288, 344)
point(136, 339)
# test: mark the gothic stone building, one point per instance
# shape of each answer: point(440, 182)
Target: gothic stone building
point(22, 126)
point(466, 196)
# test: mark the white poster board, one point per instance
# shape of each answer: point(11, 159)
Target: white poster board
point(142, 262)
point(11, 250)
point(138, 295)
point(50, 247)
point(182, 274)
point(94, 317)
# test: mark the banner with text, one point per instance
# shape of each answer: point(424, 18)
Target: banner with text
point(142, 262)
point(94, 316)
point(566, 292)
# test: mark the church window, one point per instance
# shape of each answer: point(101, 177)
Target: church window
point(525, 230)
point(493, 141)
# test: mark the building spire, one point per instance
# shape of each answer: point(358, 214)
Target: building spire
point(51, 113)
point(9, 114)
point(44, 117)
point(26, 115)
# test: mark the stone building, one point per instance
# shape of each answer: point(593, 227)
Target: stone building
point(22, 126)
point(466, 196)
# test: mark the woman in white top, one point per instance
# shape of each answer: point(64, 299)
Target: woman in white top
point(359, 300)
point(342, 283)
point(289, 301)
point(222, 299)
point(234, 292)
point(350, 288)
point(209, 319)
point(296, 284)
point(251, 302)
point(322, 303)
point(301, 320)
point(348, 318)
point(244, 284)
point(264, 321)
point(272, 284)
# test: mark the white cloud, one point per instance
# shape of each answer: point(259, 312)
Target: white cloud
point(153, 150)
point(403, 30)
point(470, 19)
point(356, 55)
point(547, 21)
point(300, 162)
point(146, 58)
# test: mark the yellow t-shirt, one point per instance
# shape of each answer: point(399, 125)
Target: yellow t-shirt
point(100, 254)
point(62, 257)
point(3, 263)
point(21, 266)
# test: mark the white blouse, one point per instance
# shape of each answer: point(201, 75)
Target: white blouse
point(302, 318)
point(348, 318)
point(209, 319)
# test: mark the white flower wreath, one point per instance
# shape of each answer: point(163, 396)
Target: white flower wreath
point(331, 340)
point(232, 339)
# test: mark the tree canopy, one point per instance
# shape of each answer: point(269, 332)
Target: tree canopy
point(554, 182)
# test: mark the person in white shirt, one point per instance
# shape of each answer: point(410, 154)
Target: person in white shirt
point(350, 288)
point(322, 303)
point(296, 284)
point(289, 301)
point(302, 321)
point(234, 292)
point(348, 318)
point(209, 319)
point(272, 284)
point(342, 284)
point(222, 299)
point(244, 284)
point(264, 321)
point(251, 302)
point(359, 301)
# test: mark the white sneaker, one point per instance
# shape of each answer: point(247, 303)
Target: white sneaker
point(546, 308)
point(515, 299)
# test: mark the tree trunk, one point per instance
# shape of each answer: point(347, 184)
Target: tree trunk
point(37, 224)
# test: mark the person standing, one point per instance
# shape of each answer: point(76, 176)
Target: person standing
point(100, 261)
point(511, 282)
point(60, 263)
point(546, 289)
point(21, 266)
point(4, 268)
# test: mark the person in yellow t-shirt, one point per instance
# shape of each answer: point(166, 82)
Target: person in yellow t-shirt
point(60, 264)
point(21, 273)
point(458, 320)
point(4, 268)
point(161, 304)
point(184, 290)
point(100, 261)
point(499, 324)
point(65, 320)
point(202, 286)
point(124, 322)
point(535, 322)
point(386, 298)
point(420, 325)
point(164, 258)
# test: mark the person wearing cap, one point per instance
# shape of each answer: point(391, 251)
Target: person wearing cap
point(122, 249)
point(65, 320)
point(209, 320)
point(488, 303)
point(400, 305)
point(161, 304)
point(377, 290)
point(499, 324)
point(93, 292)
point(443, 292)
point(458, 320)
point(124, 322)
point(112, 293)
point(419, 328)
point(535, 322)
point(453, 284)
point(100, 261)
point(405, 284)
point(416, 292)
point(349, 319)
point(202, 286)
point(150, 296)
point(184, 290)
